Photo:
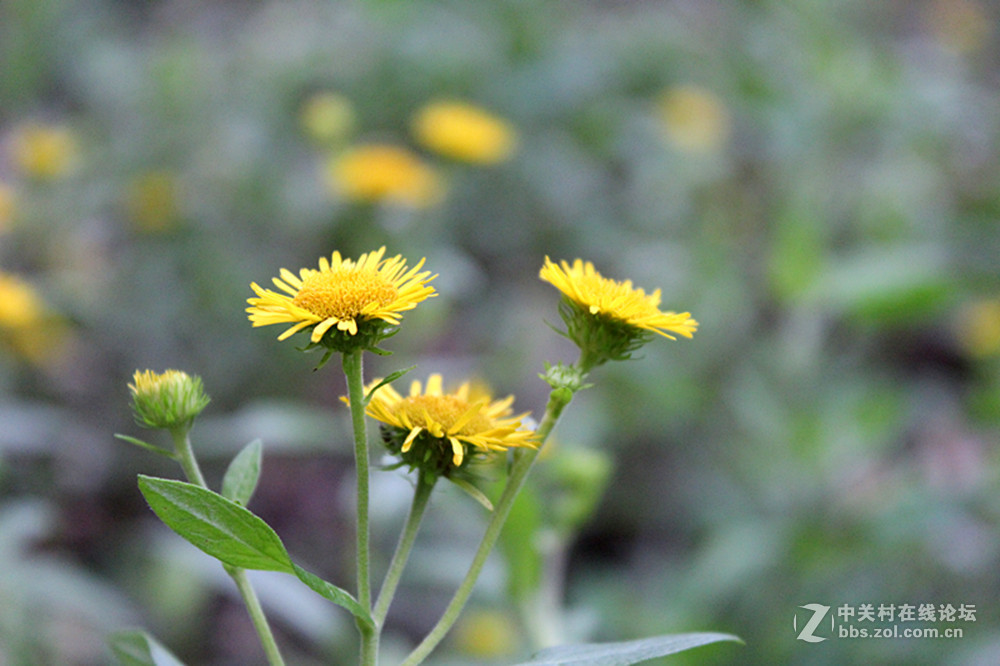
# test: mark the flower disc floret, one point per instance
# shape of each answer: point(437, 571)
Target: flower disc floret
point(356, 299)
point(440, 432)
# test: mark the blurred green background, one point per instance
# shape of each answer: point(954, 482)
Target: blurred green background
point(815, 181)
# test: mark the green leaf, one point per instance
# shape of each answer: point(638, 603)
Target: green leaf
point(626, 652)
point(473, 492)
point(134, 647)
point(241, 476)
point(232, 534)
point(218, 526)
point(391, 378)
point(333, 593)
point(518, 542)
point(159, 450)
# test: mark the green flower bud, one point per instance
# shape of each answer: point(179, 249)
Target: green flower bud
point(169, 400)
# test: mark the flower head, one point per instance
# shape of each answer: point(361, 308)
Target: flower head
point(152, 200)
point(464, 132)
point(46, 152)
point(327, 118)
point(346, 303)
point(168, 400)
point(379, 172)
point(694, 119)
point(440, 432)
point(610, 319)
point(27, 325)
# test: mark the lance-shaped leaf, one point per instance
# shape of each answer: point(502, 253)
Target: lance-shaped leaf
point(232, 534)
point(333, 593)
point(220, 527)
point(134, 647)
point(626, 652)
point(241, 476)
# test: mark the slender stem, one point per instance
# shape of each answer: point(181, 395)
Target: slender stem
point(403, 548)
point(185, 455)
point(239, 577)
point(523, 461)
point(352, 362)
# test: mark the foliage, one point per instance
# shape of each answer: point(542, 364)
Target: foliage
point(827, 437)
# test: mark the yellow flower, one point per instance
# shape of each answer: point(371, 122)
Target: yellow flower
point(343, 295)
point(26, 324)
point(619, 301)
point(20, 306)
point(978, 328)
point(379, 172)
point(152, 201)
point(694, 119)
point(45, 152)
point(464, 132)
point(433, 430)
point(486, 634)
point(166, 400)
point(327, 117)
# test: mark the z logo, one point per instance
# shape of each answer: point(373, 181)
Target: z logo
point(819, 612)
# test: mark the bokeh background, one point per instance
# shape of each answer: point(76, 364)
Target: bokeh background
point(817, 182)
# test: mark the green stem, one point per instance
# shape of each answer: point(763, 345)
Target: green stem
point(239, 577)
point(352, 362)
point(420, 497)
point(523, 461)
point(185, 455)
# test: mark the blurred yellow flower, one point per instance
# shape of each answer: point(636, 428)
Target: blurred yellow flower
point(20, 305)
point(486, 634)
point(151, 200)
point(693, 119)
point(979, 328)
point(342, 295)
point(380, 172)
point(464, 132)
point(7, 206)
point(617, 301)
point(26, 324)
point(449, 423)
point(45, 152)
point(327, 118)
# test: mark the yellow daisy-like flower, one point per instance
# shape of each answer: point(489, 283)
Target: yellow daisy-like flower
point(377, 172)
point(464, 132)
point(608, 319)
point(20, 305)
point(694, 119)
point(27, 325)
point(433, 430)
point(343, 295)
point(45, 152)
point(327, 118)
point(583, 285)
